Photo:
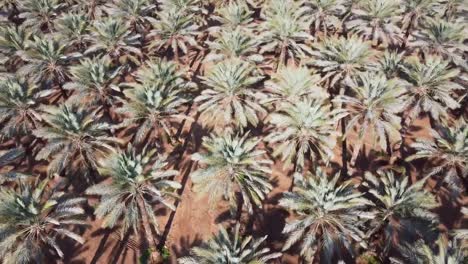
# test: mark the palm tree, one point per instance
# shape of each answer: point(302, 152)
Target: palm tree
point(8, 157)
point(230, 99)
point(91, 81)
point(330, 216)
point(18, 102)
point(376, 20)
point(444, 39)
point(232, 16)
point(451, 9)
point(92, 8)
point(374, 109)
point(111, 36)
point(432, 87)
point(234, 44)
point(292, 84)
point(135, 12)
point(76, 138)
point(39, 14)
point(73, 27)
point(326, 15)
point(155, 101)
point(415, 13)
point(32, 219)
point(139, 180)
point(46, 59)
point(13, 41)
point(174, 30)
point(304, 129)
point(233, 165)
point(402, 210)
point(447, 154)
point(446, 252)
point(341, 58)
point(462, 234)
point(285, 30)
point(230, 247)
point(390, 64)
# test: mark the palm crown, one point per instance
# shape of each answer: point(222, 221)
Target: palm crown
point(91, 80)
point(448, 152)
point(341, 59)
point(31, 219)
point(330, 216)
point(306, 128)
point(17, 100)
point(376, 20)
point(374, 108)
point(156, 100)
point(139, 179)
point(230, 99)
point(75, 137)
point(231, 165)
point(231, 247)
point(285, 30)
point(432, 87)
point(403, 210)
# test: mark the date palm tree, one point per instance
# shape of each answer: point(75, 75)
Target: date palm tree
point(13, 40)
point(374, 110)
point(18, 102)
point(447, 154)
point(376, 20)
point(445, 252)
point(234, 44)
point(111, 36)
point(46, 59)
point(156, 101)
point(444, 39)
point(292, 84)
point(39, 14)
point(462, 234)
point(73, 27)
point(230, 99)
point(415, 13)
point(91, 81)
point(139, 180)
point(432, 87)
point(331, 217)
point(231, 247)
point(285, 30)
point(32, 219)
point(233, 15)
point(135, 12)
point(76, 138)
point(402, 210)
point(451, 9)
point(304, 129)
point(390, 64)
point(174, 30)
point(341, 58)
point(326, 15)
point(233, 165)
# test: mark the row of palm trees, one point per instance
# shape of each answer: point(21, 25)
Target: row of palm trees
point(95, 89)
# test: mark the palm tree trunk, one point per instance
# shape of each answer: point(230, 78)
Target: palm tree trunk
point(155, 256)
point(408, 31)
point(282, 57)
point(344, 150)
point(240, 206)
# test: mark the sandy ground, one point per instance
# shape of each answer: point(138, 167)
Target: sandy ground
point(194, 221)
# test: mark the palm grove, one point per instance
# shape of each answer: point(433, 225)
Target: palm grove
point(94, 96)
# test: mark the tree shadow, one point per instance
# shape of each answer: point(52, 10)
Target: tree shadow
point(185, 244)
